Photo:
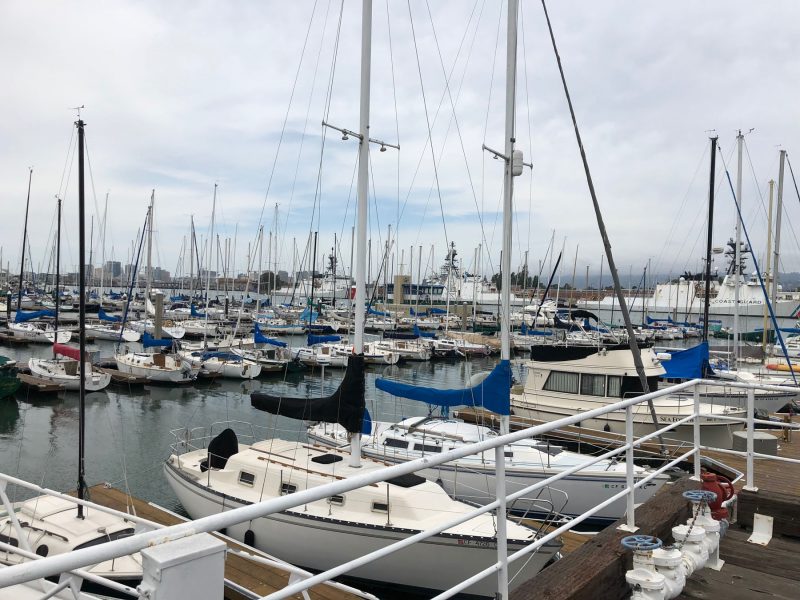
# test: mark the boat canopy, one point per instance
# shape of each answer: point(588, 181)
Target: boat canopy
point(691, 363)
point(346, 406)
point(21, 317)
point(493, 393)
point(104, 316)
point(196, 313)
point(148, 341)
point(229, 356)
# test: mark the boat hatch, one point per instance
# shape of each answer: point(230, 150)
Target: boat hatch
point(326, 459)
point(246, 478)
point(407, 481)
point(288, 488)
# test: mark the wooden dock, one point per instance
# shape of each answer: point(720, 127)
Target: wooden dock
point(40, 386)
point(258, 579)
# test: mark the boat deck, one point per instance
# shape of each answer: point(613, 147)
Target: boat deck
point(40, 386)
point(257, 579)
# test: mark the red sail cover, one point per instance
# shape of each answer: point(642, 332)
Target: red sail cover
point(69, 351)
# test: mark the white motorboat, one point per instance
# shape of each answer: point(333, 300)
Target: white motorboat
point(321, 355)
point(40, 333)
point(565, 380)
point(458, 347)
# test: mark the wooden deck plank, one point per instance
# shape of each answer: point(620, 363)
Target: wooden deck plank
point(258, 578)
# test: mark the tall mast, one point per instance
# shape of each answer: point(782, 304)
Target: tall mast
point(738, 250)
point(103, 250)
point(208, 269)
point(768, 270)
point(778, 215)
point(24, 241)
point(58, 266)
point(149, 274)
point(709, 240)
point(81, 319)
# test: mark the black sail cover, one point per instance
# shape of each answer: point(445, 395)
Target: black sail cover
point(345, 406)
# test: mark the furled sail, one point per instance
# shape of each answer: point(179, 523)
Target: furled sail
point(346, 406)
point(493, 393)
point(21, 317)
point(106, 317)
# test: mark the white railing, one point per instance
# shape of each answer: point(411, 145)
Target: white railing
point(73, 561)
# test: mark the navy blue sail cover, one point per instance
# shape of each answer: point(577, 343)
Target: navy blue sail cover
point(148, 341)
point(21, 316)
point(104, 316)
point(493, 393)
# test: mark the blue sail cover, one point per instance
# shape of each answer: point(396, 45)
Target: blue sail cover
point(106, 317)
point(21, 316)
point(196, 313)
point(438, 311)
point(493, 393)
point(260, 338)
point(588, 326)
point(230, 356)
point(366, 423)
point(422, 313)
point(319, 339)
point(687, 364)
point(148, 341)
point(423, 334)
point(308, 315)
point(524, 330)
point(372, 311)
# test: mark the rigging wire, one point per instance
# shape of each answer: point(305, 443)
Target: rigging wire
point(428, 123)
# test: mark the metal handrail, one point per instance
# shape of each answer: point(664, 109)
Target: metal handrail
point(59, 563)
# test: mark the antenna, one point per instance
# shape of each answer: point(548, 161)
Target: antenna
point(78, 109)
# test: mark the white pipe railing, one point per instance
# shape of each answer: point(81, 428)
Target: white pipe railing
point(74, 560)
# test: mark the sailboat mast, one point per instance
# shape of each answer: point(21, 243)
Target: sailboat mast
point(149, 274)
point(58, 265)
point(24, 241)
point(778, 215)
point(768, 270)
point(81, 320)
point(709, 239)
point(738, 250)
point(208, 268)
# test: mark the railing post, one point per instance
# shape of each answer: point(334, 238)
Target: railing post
point(502, 536)
point(630, 525)
point(696, 436)
point(751, 403)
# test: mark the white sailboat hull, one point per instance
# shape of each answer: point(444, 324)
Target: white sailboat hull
point(438, 563)
point(54, 370)
point(39, 334)
point(143, 365)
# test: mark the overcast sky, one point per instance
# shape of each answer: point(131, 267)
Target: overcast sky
point(180, 95)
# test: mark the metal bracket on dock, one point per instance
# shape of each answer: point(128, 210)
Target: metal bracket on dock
point(762, 530)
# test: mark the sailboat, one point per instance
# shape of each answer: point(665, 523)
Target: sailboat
point(323, 534)
point(164, 366)
point(67, 367)
point(527, 461)
point(50, 525)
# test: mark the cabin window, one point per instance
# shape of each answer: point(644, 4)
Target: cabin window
point(427, 448)
point(395, 443)
point(288, 488)
point(560, 381)
point(336, 500)
point(246, 478)
point(109, 537)
point(43, 550)
point(593, 385)
point(614, 388)
point(382, 507)
point(509, 454)
point(9, 540)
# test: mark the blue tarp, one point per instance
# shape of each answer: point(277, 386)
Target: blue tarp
point(196, 313)
point(106, 317)
point(21, 317)
point(687, 364)
point(148, 341)
point(319, 339)
point(260, 338)
point(493, 393)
